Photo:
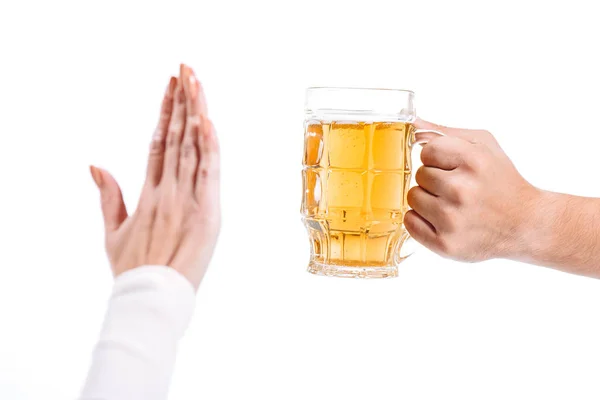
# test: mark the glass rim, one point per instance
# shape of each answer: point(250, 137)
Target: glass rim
point(313, 88)
point(355, 103)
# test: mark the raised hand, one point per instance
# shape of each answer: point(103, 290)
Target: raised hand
point(177, 220)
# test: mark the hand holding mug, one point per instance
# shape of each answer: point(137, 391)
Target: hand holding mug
point(471, 202)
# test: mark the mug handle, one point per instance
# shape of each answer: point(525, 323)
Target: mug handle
point(419, 136)
point(423, 136)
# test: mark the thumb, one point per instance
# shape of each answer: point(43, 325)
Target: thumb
point(113, 206)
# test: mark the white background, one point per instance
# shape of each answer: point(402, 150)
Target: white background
point(81, 83)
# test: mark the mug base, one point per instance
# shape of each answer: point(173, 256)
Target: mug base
point(406, 245)
point(343, 271)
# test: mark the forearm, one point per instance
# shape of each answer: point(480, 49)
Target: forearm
point(148, 313)
point(561, 231)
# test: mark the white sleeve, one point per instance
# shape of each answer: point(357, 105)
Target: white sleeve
point(149, 310)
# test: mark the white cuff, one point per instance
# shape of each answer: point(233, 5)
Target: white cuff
point(149, 311)
point(150, 283)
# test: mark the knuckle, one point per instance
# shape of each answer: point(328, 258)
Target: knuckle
point(458, 195)
point(188, 149)
point(450, 219)
point(166, 211)
point(411, 196)
point(210, 163)
point(180, 96)
point(427, 154)
point(446, 217)
point(212, 149)
point(210, 143)
point(410, 222)
point(193, 121)
point(173, 137)
point(477, 161)
point(165, 217)
point(431, 152)
point(419, 175)
point(458, 191)
point(406, 220)
point(203, 172)
point(167, 109)
point(484, 137)
point(206, 172)
point(448, 247)
point(157, 146)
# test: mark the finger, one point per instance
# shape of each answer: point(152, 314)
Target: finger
point(445, 152)
point(189, 152)
point(420, 229)
point(202, 104)
point(157, 146)
point(434, 180)
point(174, 135)
point(425, 204)
point(425, 137)
point(113, 206)
point(470, 135)
point(207, 177)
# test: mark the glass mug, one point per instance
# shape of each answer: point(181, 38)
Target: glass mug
point(356, 174)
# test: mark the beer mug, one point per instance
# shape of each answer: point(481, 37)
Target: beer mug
point(356, 174)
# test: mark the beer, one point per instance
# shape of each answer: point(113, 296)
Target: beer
point(356, 175)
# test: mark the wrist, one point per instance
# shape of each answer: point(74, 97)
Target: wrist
point(537, 213)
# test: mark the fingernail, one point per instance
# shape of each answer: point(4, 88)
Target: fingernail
point(179, 92)
point(202, 98)
point(193, 86)
point(172, 85)
point(184, 75)
point(96, 175)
